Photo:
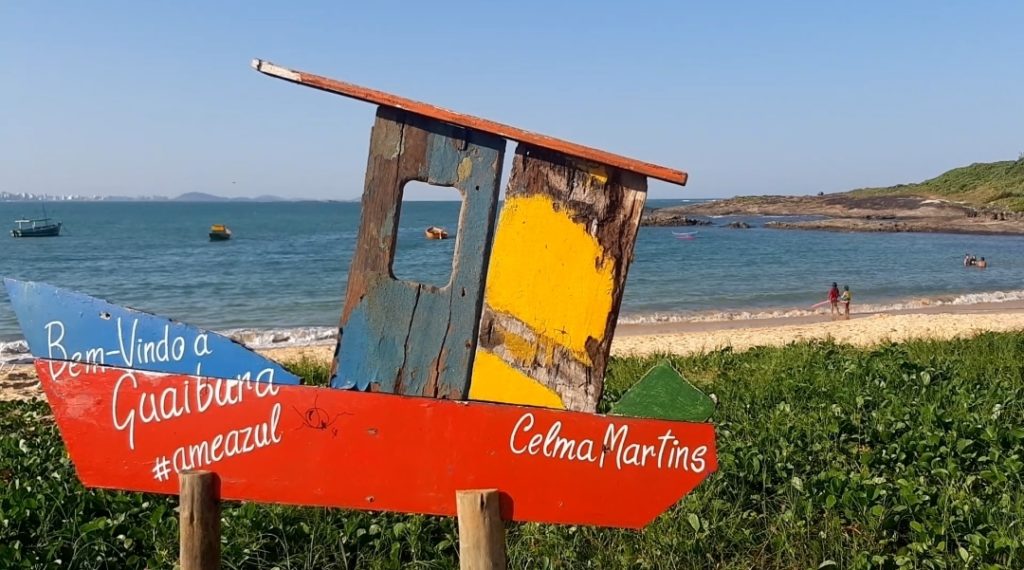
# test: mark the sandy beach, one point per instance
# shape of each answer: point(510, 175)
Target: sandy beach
point(862, 329)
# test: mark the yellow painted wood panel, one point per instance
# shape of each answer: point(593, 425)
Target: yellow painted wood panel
point(550, 273)
point(494, 380)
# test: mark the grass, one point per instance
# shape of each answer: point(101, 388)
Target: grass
point(998, 185)
point(905, 456)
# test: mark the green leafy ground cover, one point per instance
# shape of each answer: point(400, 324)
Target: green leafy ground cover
point(991, 184)
point(908, 455)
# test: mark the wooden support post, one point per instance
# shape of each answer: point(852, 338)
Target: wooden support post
point(481, 530)
point(200, 520)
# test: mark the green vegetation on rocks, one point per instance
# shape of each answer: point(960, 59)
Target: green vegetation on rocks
point(998, 185)
point(905, 456)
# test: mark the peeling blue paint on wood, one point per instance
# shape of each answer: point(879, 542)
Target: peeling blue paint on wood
point(405, 337)
point(67, 326)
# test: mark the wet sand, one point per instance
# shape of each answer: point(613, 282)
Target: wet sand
point(862, 329)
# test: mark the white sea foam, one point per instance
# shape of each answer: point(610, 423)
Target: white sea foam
point(16, 351)
point(273, 338)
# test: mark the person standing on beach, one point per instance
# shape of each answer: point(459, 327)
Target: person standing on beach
point(846, 297)
point(833, 299)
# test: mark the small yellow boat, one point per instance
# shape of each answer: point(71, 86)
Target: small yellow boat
point(219, 232)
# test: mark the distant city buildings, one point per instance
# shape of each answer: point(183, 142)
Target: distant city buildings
point(29, 197)
point(186, 197)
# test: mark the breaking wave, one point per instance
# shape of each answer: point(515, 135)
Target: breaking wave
point(16, 351)
point(273, 338)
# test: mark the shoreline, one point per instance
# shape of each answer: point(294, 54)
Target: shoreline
point(857, 211)
point(698, 326)
point(960, 226)
point(863, 329)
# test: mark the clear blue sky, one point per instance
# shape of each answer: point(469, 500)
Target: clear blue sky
point(748, 97)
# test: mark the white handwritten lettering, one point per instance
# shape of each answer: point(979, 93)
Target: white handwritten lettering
point(203, 341)
point(127, 355)
point(550, 444)
point(126, 421)
point(519, 426)
point(231, 444)
point(664, 452)
point(173, 401)
point(52, 343)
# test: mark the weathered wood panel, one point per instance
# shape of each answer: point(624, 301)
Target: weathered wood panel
point(73, 330)
point(412, 338)
point(306, 445)
point(558, 268)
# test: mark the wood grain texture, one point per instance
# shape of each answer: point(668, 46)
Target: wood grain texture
point(199, 531)
point(405, 337)
point(481, 531)
point(306, 445)
point(561, 254)
point(468, 121)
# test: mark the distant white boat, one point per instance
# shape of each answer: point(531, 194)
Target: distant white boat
point(685, 235)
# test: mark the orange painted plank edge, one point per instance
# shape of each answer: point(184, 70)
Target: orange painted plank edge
point(469, 121)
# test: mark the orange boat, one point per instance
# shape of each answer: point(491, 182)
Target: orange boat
point(434, 232)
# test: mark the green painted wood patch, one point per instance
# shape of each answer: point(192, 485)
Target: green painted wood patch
point(665, 395)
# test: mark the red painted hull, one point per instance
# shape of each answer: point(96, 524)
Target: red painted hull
point(317, 446)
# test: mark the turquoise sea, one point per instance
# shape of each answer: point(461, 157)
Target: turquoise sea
point(282, 277)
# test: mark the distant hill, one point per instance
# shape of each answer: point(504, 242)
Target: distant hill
point(998, 185)
point(204, 197)
point(983, 198)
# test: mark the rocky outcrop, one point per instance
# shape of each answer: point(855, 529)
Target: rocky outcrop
point(834, 206)
point(860, 213)
point(666, 219)
point(738, 225)
point(963, 225)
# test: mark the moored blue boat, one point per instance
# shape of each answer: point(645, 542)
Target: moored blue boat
point(42, 227)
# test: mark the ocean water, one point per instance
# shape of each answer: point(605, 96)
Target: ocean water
point(281, 279)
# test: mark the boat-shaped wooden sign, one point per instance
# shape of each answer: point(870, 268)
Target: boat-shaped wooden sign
point(489, 382)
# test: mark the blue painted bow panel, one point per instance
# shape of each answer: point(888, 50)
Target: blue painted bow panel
point(63, 325)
